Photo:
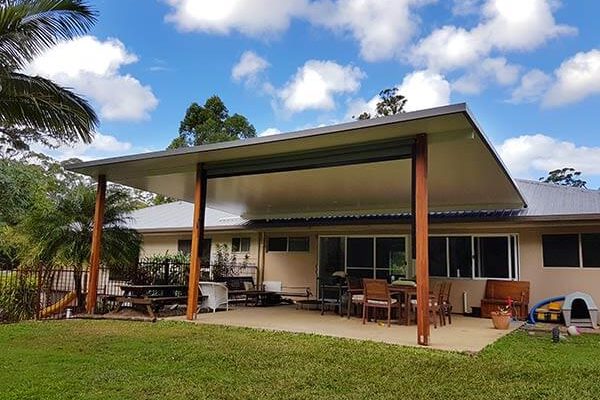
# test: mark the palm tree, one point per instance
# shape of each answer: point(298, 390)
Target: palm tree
point(32, 108)
point(58, 234)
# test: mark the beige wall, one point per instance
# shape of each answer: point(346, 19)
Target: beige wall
point(299, 268)
point(154, 243)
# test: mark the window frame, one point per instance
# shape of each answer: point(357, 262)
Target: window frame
point(241, 247)
point(580, 250)
point(374, 237)
point(511, 258)
point(287, 244)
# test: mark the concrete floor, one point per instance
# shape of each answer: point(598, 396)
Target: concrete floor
point(465, 334)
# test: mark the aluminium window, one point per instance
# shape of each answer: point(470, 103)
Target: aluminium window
point(291, 244)
point(571, 250)
point(240, 244)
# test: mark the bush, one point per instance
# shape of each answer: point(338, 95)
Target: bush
point(18, 294)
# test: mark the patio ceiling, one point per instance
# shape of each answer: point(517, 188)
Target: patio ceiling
point(356, 168)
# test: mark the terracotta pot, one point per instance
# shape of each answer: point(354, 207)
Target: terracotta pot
point(501, 321)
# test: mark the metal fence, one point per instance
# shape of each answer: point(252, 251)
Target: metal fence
point(52, 293)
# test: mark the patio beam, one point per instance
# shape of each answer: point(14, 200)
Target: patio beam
point(197, 237)
point(421, 229)
point(92, 285)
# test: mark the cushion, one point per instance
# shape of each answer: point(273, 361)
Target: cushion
point(248, 286)
point(358, 297)
point(381, 302)
point(414, 302)
point(403, 282)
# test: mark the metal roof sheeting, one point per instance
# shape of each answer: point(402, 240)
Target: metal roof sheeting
point(545, 201)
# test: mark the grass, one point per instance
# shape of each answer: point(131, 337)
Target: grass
point(168, 360)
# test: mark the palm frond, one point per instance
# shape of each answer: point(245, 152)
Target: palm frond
point(41, 104)
point(29, 27)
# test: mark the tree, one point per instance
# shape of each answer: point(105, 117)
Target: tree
point(32, 108)
point(390, 103)
point(58, 233)
point(566, 177)
point(211, 123)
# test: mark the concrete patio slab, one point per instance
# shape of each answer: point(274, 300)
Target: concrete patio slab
point(465, 334)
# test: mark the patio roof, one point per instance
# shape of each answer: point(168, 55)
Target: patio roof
point(356, 168)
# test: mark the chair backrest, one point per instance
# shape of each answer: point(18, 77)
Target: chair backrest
point(376, 289)
point(354, 282)
point(446, 295)
point(501, 290)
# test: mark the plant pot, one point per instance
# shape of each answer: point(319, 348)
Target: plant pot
point(501, 321)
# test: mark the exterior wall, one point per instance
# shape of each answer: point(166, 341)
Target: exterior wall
point(300, 268)
point(160, 243)
point(297, 269)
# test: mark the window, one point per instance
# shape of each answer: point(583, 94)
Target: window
point(184, 246)
point(590, 249)
point(474, 256)
point(299, 243)
point(277, 244)
point(363, 257)
point(240, 245)
point(560, 250)
point(438, 260)
point(491, 257)
point(460, 257)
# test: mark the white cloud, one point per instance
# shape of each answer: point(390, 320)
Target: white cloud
point(250, 17)
point(101, 147)
point(269, 132)
point(359, 106)
point(531, 88)
point(530, 155)
point(316, 83)
point(576, 78)
point(92, 67)
point(249, 67)
point(381, 27)
point(506, 25)
point(465, 7)
point(424, 89)
point(491, 69)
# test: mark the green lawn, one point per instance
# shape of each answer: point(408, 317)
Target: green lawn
point(129, 360)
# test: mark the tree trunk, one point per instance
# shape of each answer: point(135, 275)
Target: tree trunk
point(77, 274)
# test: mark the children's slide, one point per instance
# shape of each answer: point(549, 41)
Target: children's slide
point(542, 303)
point(60, 305)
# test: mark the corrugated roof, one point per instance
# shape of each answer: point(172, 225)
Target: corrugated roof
point(545, 200)
point(177, 216)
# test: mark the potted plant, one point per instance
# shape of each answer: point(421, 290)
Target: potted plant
point(501, 318)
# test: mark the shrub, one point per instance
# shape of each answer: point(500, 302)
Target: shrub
point(18, 294)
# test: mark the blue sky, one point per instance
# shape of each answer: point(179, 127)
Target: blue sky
point(529, 70)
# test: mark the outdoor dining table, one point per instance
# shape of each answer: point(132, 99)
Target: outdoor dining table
point(151, 296)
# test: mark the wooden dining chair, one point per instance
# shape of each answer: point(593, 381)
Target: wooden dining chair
point(434, 308)
point(377, 295)
point(444, 302)
point(355, 295)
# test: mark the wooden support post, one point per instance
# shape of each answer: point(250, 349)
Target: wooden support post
point(92, 286)
point(421, 226)
point(197, 237)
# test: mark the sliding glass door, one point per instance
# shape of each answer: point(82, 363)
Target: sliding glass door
point(363, 256)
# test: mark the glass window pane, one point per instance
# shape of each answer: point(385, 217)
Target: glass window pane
point(331, 255)
point(491, 259)
point(385, 274)
point(460, 256)
point(437, 256)
point(590, 247)
point(360, 272)
point(391, 255)
point(561, 250)
point(277, 244)
point(245, 244)
point(235, 245)
point(299, 244)
point(514, 251)
point(360, 253)
point(184, 246)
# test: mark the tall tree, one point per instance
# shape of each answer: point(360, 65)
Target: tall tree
point(390, 103)
point(211, 123)
point(32, 108)
point(566, 177)
point(58, 233)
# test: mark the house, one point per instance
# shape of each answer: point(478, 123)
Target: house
point(420, 194)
